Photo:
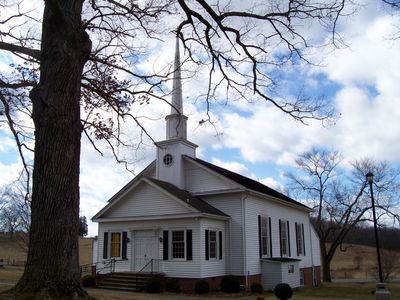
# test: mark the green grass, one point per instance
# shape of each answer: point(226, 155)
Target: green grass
point(344, 291)
point(328, 291)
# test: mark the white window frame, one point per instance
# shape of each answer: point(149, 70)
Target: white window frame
point(172, 242)
point(284, 238)
point(265, 235)
point(300, 238)
point(216, 242)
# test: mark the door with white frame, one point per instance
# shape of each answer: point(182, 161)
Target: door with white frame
point(145, 248)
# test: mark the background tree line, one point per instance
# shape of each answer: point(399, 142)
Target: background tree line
point(339, 196)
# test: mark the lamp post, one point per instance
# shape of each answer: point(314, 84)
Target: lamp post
point(381, 292)
point(370, 179)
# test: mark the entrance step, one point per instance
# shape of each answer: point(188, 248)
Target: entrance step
point(125, 281)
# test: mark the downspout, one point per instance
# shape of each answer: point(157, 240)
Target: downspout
point(244, 240)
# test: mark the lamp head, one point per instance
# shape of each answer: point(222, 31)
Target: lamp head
point(370, 177)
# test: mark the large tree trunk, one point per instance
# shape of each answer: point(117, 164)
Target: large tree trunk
point(326, 263)
point(52, 268)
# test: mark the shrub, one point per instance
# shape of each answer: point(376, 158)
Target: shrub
point(172, 285)
point(88, 281)
point(153, 285)
point(201, 287)
point(256, 288)
point(230, 284)
point(283, 291)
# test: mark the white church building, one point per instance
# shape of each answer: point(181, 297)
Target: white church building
point(190, 220)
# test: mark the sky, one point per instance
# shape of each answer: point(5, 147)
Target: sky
point(361, 80)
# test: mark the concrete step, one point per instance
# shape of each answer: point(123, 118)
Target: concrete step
point(125, 281)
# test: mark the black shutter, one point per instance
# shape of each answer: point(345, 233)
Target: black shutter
point(220, 244)
point(124, 244)
point(207, 246)
point(270, 237)
point(259, 237)
point(304, 244)
point(105, 245)
point(189, 255)
point(297, 236)
point(288, 237)
point(165, 245)
point(280, 237)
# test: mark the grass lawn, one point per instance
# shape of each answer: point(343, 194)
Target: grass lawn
point(326, 292)
point(329, 291)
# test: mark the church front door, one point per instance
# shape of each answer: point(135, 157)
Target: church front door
point(145, 248)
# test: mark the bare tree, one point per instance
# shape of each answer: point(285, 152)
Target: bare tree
point(83, 56)
point(341, 202)
point(15, 212)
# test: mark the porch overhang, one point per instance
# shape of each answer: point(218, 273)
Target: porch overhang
point(162, 217)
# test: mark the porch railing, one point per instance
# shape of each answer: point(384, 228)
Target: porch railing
point(153, 266)
point(105, 266)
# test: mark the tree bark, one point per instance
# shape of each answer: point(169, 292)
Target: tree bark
point(326, 263)
point(52, 268)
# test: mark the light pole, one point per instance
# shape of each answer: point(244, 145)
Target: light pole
point(381, 293)
point(370, 179)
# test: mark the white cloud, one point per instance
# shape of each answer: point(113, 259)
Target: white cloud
point(367, 101)
point(272, 183)
point(233, 166)
point(9, 172)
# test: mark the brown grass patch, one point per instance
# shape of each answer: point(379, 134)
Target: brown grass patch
point(13, 253)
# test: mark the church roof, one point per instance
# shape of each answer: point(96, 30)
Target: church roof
point(188, 198)
point(247, 182)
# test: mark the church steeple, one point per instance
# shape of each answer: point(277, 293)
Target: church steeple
point(177, 83)
point(176, 121)
point(170, 165)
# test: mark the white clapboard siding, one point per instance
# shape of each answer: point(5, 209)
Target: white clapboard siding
point(292, 279)
point(198, 180)
point(183, 268)
point(212, 267)
point(145, 200)
point(272, 274)
point(231, 204)
point(120, 265)
point(257, 206)
point(316, 250)
point(171, 268)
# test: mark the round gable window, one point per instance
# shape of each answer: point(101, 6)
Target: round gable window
point(167, 159)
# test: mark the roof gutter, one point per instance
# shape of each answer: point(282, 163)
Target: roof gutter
point(280, 201)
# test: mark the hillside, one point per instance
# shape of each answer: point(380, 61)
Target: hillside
point(353, 262)
point(12, 250)
point(360, 262)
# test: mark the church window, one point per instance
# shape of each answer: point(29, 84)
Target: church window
point(213, 243)
point(167, 159)
point(284, 237)
point(300, 239)
point(115, 244)
point(265, 240)
point(178, 244)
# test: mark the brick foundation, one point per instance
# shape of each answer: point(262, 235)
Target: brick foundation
point(188, 284)
point(308, 276)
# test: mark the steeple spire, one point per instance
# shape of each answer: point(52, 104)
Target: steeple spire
point(176, 121)
point(170, 166)
point(177, 83)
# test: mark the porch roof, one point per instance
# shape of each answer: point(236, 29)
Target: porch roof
point(188, 198)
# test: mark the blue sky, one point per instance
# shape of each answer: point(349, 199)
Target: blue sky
point(361, 80)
